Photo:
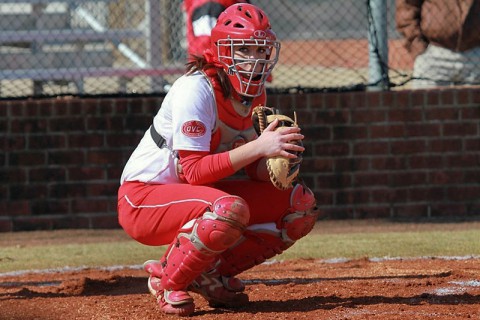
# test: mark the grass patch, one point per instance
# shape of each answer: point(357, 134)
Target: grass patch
point(32, 251)
point(390, 244)
point(77, 255)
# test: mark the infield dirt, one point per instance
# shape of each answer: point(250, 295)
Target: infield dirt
point(427, 288)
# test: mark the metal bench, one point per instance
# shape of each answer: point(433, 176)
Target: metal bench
point(43, 45)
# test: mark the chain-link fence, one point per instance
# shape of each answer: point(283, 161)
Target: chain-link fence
point(107, 47)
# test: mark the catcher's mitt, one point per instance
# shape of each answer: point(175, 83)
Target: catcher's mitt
point(283, 171)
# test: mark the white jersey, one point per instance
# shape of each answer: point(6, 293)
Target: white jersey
point(185, 120)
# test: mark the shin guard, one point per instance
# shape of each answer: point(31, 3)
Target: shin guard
point(200, 242)
point(264, 241)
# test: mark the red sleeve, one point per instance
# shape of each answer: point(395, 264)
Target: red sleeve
point(203, 168)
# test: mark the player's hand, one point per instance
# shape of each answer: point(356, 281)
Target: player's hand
point(273, 142)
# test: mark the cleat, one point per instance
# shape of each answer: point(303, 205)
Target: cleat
point(154, 286)
point(233, 284)
point(220, 292)
point(179, 303)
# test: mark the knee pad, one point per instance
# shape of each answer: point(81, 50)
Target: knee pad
point(201, 240)
point(222, 227)
point(301, 217)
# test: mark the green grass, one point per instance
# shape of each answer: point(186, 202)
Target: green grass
point(77, 255)
point(390, 244)
point(124, 251)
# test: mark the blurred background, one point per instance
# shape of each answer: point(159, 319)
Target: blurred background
point(106, 47)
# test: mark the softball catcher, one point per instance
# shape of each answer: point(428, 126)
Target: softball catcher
point(174, 188)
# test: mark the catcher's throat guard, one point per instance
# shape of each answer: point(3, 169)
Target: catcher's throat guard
point(282, 171)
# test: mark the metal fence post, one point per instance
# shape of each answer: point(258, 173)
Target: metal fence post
point(154, 45)
point(378, 44)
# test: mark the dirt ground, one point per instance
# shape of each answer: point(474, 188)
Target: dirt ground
point(429, 288)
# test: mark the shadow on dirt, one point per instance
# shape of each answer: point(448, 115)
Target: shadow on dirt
point(330, 302)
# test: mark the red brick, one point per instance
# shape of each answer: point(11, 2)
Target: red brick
point(47, 174)
point(51, 141)
point(444, 145)
point(84, 173)
point(418, 98)
point(15, 208)
point(460, 129)
point(374, 99)
point(469, 113)
point(332, 100)
point(368, 116)
point(399, 179)
point(463, 160)
point(27, 158)
point(71, 124)
point(432, 98)
point(103, 157)
point(352, 197)
point(351, 164)
point(447, 96)
point(104, 222)
point(361, 180)
point(331, 149)
point(317, 164)
point(410, 211)
point(426, 162)
point(87, 205)
point(388, 195)
point(387, 131)
point(436, 113)
point(423, 130)
point(405, 115)
point(328, 181)
point(389, 163)
point(408, 147)
point(428, 193)
point(66, 157)
point(371, 148)
point(6, 225)
point(439, 210)
point(104, 189)
point(464, 193)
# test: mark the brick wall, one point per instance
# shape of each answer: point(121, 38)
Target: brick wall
point(398, 154)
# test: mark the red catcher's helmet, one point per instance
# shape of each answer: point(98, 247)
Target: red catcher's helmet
point(238, 26)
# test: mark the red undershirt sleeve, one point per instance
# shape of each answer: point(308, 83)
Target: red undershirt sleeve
point(203, 168)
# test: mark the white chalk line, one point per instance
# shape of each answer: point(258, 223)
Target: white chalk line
point(273, 261)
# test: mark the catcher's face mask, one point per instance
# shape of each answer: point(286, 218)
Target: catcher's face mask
point(245, 45)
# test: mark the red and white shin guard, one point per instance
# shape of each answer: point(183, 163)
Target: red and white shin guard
point(264, 241)
point(196, 247)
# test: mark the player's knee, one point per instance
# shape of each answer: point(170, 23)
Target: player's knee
point(233, 209)
point(302, 198)
point(302, 216)
point(221, 227)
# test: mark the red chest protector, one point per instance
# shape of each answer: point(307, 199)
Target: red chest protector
point(232, 129)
